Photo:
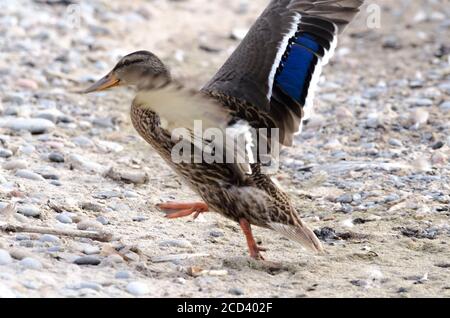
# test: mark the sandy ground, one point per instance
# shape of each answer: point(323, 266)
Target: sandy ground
point(370, 172)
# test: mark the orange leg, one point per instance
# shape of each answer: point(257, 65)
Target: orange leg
point(175, 210)
point(255, 250)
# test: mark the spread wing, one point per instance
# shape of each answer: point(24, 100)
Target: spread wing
point(278, 64)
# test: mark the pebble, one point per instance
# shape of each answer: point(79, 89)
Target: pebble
point(138, 289)
point(236, 291)
point(103, 220)
point(130, 194)
point(30, 211)
point(81, 163)
point(215, 233)
point(30, 263)
point(5, 153)
point(87, 260)
point(140, 218)
point(176, 243)
point(345, 198)
point(123, 275)
point(82, 141)
point(419, 117)
point(135, 177)
point(392, 198)
point(90, 285)
point(438, 145)
point(33, 125)
point(107, 195)
point(91, 250)
point(49, 238)
point(22, 237)
point(53, 115)
point(445, 106)
point(420, 102)
point(64, 218)
point(89, 225)
point(15, 164)
point(109, 146)
point(5, 258)
point(395, 142)
point(56, 157)
point(27, 174)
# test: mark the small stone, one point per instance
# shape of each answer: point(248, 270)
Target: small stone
point(20, 253)
point(89, 225)
point(392, 198)
point(236, 291)
point(56, 157)
point(27, 84)
point(22, 237)
point(84, 164)
point(130, 194)
point(439, 158)
point(137, 289)
point(395, 142)
point(140, 218)
point(82, 141)
point(419, 118)
point(49, 238)
point(420, 102)
point(91, 250)
point(106, 195)
point(28, 210)
point(103, 220)
point(105, 122)
point(64, 218)
point(109, 146)
point(27, 174)
point(53, 115)
point(15, 164)
point(438, 145)
point(90, 285)
point(216, 233)
point(87, 260)
point(123, 275)
point(33, 125)
point(5, 153)
point(359, 283)
point(422, 164)
point(135, 177)
point(90, 206)
point(30, 263)
point(445, 106)
point(445, 87)
point(176, 243)
point(5, 258)
point(345, 198)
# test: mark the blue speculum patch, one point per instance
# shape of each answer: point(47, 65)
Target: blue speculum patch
point(296, 68)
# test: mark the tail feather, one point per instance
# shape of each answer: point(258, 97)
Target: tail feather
point(301, 234)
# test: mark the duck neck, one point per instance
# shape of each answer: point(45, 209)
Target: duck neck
point(154, 81)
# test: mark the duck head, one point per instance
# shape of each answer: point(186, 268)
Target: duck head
point(141, 69)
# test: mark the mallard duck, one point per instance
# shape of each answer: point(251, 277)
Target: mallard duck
point(268, 82)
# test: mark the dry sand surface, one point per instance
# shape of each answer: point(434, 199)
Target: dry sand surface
point(370, 173)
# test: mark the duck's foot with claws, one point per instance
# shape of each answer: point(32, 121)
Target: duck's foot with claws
point(255, 250)
point(175, 210)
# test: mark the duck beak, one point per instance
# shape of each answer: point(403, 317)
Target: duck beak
point(106, 82)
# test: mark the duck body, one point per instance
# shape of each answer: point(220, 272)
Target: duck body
point(269, 83)
point(234, 195)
